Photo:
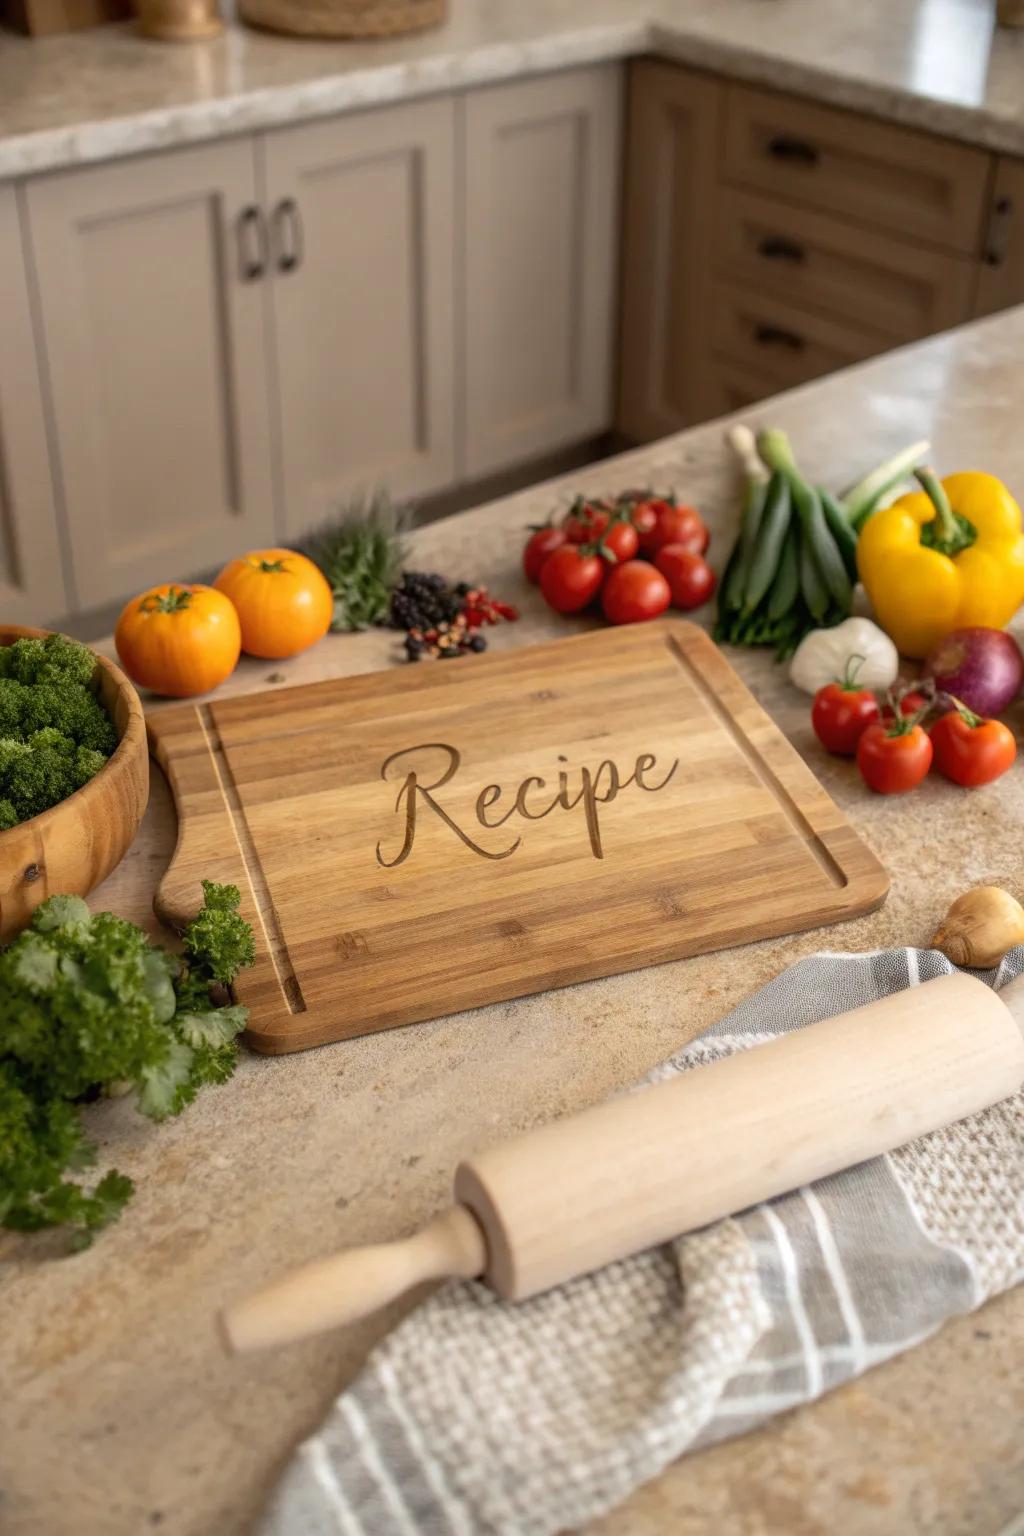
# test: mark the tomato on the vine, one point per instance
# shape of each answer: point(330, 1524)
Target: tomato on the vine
point(910, 704)
point(585, 521)
point(633, 592)
point(842, 712)
point(644, 517)
point(571, 578)
point(971, 750)
point(679, 525)
point(895, 757)
point(541, 543)
point(691, 580)
point(621, 540)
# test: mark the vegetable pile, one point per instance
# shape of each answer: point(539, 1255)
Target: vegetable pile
point(443, 621)
point(54, 732)
point(87, 1006)
point(794, 563)
point(636, 553)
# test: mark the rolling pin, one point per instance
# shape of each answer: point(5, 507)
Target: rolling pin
point(570, 1196)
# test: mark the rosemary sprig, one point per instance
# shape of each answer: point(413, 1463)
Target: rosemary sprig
point(361, 553)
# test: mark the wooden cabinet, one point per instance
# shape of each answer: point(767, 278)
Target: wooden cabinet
point(1001, 276)
point(361, 219)
point(539, 260)
point(668, 233)
point(153, 328)
point(32, 589)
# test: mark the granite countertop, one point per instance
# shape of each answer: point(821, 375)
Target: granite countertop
point(119, 1412)
point(93, 95)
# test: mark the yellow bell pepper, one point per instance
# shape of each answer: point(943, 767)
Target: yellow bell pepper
point(939, 559)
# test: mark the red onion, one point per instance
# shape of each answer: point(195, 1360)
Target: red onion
point(983, 668)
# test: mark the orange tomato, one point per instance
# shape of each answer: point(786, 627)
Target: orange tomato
point(283, 600)
point(179, 639)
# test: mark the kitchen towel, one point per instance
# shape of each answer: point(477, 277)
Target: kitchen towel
point(478, 1418)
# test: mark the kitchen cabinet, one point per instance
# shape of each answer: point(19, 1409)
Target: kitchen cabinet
point(156, 355)
point(540, 264)
point(361, 219)
point(675, 118)
point(32, 589)
point(1001, 278)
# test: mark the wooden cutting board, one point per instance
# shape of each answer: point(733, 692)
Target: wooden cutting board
point(431, 838)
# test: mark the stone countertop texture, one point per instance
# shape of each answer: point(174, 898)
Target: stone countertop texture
point(119, 1413)
point(940, 65)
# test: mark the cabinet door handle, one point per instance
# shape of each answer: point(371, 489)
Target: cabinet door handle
point(251, 232)
point(776, 248)
point(778, 336)
point(288, 241)
point(796, 151)
point(997, 237)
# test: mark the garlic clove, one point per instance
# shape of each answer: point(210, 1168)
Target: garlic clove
point(980, 927)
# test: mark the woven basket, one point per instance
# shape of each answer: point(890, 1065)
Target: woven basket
point(343, 18)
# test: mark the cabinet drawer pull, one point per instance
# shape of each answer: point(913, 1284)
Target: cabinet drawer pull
point(252, 244)
point(796, 151)
point(778, 336)
point(288, 235)
point(776, 248)
point(997, 240)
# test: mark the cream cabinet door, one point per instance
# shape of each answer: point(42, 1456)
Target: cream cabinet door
point(153, 317)
point(31, 579)
point(539, 264)
point(361, 216)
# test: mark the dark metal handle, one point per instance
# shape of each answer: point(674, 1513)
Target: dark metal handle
point(775, 248)
point(288, 235)
point(777, 336)
point(997, 241)
point(798, 151)
point(252, 244)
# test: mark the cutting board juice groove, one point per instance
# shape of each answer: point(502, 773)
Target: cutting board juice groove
point(419, 841)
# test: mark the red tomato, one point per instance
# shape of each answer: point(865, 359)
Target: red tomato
point(542, 543)
point(893, 758)
point(841, 713)
point(680, 525)
point(644, 517)
point(570, 580)
point(970, 750)
point(691, 580)
point(634, 592)
point(585, 521)
point(620, 540)
point(910, 704)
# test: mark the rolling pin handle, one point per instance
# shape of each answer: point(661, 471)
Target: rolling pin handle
point(339, 1290)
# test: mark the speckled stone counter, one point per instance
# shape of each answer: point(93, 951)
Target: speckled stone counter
point(935, 64)
point(118, 1412)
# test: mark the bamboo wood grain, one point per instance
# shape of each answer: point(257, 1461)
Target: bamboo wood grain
point(301, 803)
point(74, 845)
point(571, 1196)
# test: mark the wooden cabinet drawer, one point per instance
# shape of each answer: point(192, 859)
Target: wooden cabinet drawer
point(763, 331)
point(900, 291)
point(922, 187)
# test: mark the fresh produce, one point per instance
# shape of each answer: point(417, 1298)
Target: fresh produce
point(676, 524)
point(691, 580)
point(634, 592)
point(794, 562)
point(572, 578)
point(54, 732)
point(826, 654)
point(894, 757)
point(586, 520)
point(982, 667)
point(981, 927)
point(542, 542)
point(88, 1005)
point(179, 638)
point(443, 621)
point(864, 498)
point(946, 557)
point(282, 599)
point(361, 557)
point(619, 542)
point(842, 712)
point(971, 750)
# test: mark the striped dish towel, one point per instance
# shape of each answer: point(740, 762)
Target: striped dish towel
point(478, 1418)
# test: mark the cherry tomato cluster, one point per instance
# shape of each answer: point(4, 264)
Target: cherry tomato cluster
point(638, 553)
point(893, 749)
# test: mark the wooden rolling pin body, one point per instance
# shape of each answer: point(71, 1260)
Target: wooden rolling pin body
point(568, 1197)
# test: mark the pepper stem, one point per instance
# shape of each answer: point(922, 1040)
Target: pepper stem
point(945, 528)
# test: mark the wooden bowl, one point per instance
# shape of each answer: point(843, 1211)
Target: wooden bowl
point(71, 847)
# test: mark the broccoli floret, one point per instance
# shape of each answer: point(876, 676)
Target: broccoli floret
point(88, 762)
point(50, 737)
point(12, 703)
point(53, 660)
point(8, 815)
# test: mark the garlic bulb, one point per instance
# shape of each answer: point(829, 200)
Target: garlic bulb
point(826, 655)
point(980, 927)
